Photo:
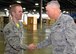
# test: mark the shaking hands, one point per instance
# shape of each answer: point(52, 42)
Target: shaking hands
point(32, 47)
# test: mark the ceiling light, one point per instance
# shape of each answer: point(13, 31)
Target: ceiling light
point(67, 12)
point(24, 8)
point(34, 10)
point(26, 12)
point(10, 6)
point(5, 9)
point(64, 11)
point(36, 4)
point(18, 1)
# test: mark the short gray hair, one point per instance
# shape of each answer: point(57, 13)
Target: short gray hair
point(52, 3)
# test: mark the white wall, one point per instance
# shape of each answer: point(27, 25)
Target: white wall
point(2, 14)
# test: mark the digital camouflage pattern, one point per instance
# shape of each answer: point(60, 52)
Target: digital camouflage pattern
point(62, 36)
point(13, 38)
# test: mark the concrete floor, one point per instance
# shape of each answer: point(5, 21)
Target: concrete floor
point(31, 37)
point(1, 43)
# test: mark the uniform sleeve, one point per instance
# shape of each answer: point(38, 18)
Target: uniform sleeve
point(45, 42)
point(13, 40)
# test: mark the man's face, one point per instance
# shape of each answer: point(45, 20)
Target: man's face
point(18, 12)
point(50, 11)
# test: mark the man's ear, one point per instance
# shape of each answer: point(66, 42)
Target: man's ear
point(13, 13)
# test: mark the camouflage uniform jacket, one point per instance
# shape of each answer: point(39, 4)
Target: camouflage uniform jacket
point(62, 36)
point(13, 38)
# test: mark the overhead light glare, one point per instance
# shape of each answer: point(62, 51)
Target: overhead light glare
point(5, 9)
point(64, 11)
point(18, 1)
point(67, 12)
point(24, 8)
point(34, 10)
point(36, 4)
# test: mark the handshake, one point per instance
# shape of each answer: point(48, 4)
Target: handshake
point(32, 47)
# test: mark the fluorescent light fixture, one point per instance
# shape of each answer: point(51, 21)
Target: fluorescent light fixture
point(34, 10)
point(36, 4)
point(24, 8)
point(64, 11)
point(67, 12)
point(18, 1)
point(26, 12)
point(5, 9)
point(10, 6)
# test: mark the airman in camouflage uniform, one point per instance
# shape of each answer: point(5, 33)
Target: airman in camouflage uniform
point(13, 32)
point(62, 35)
point(13, 39)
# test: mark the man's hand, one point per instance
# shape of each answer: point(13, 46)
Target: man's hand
point(32, 47)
